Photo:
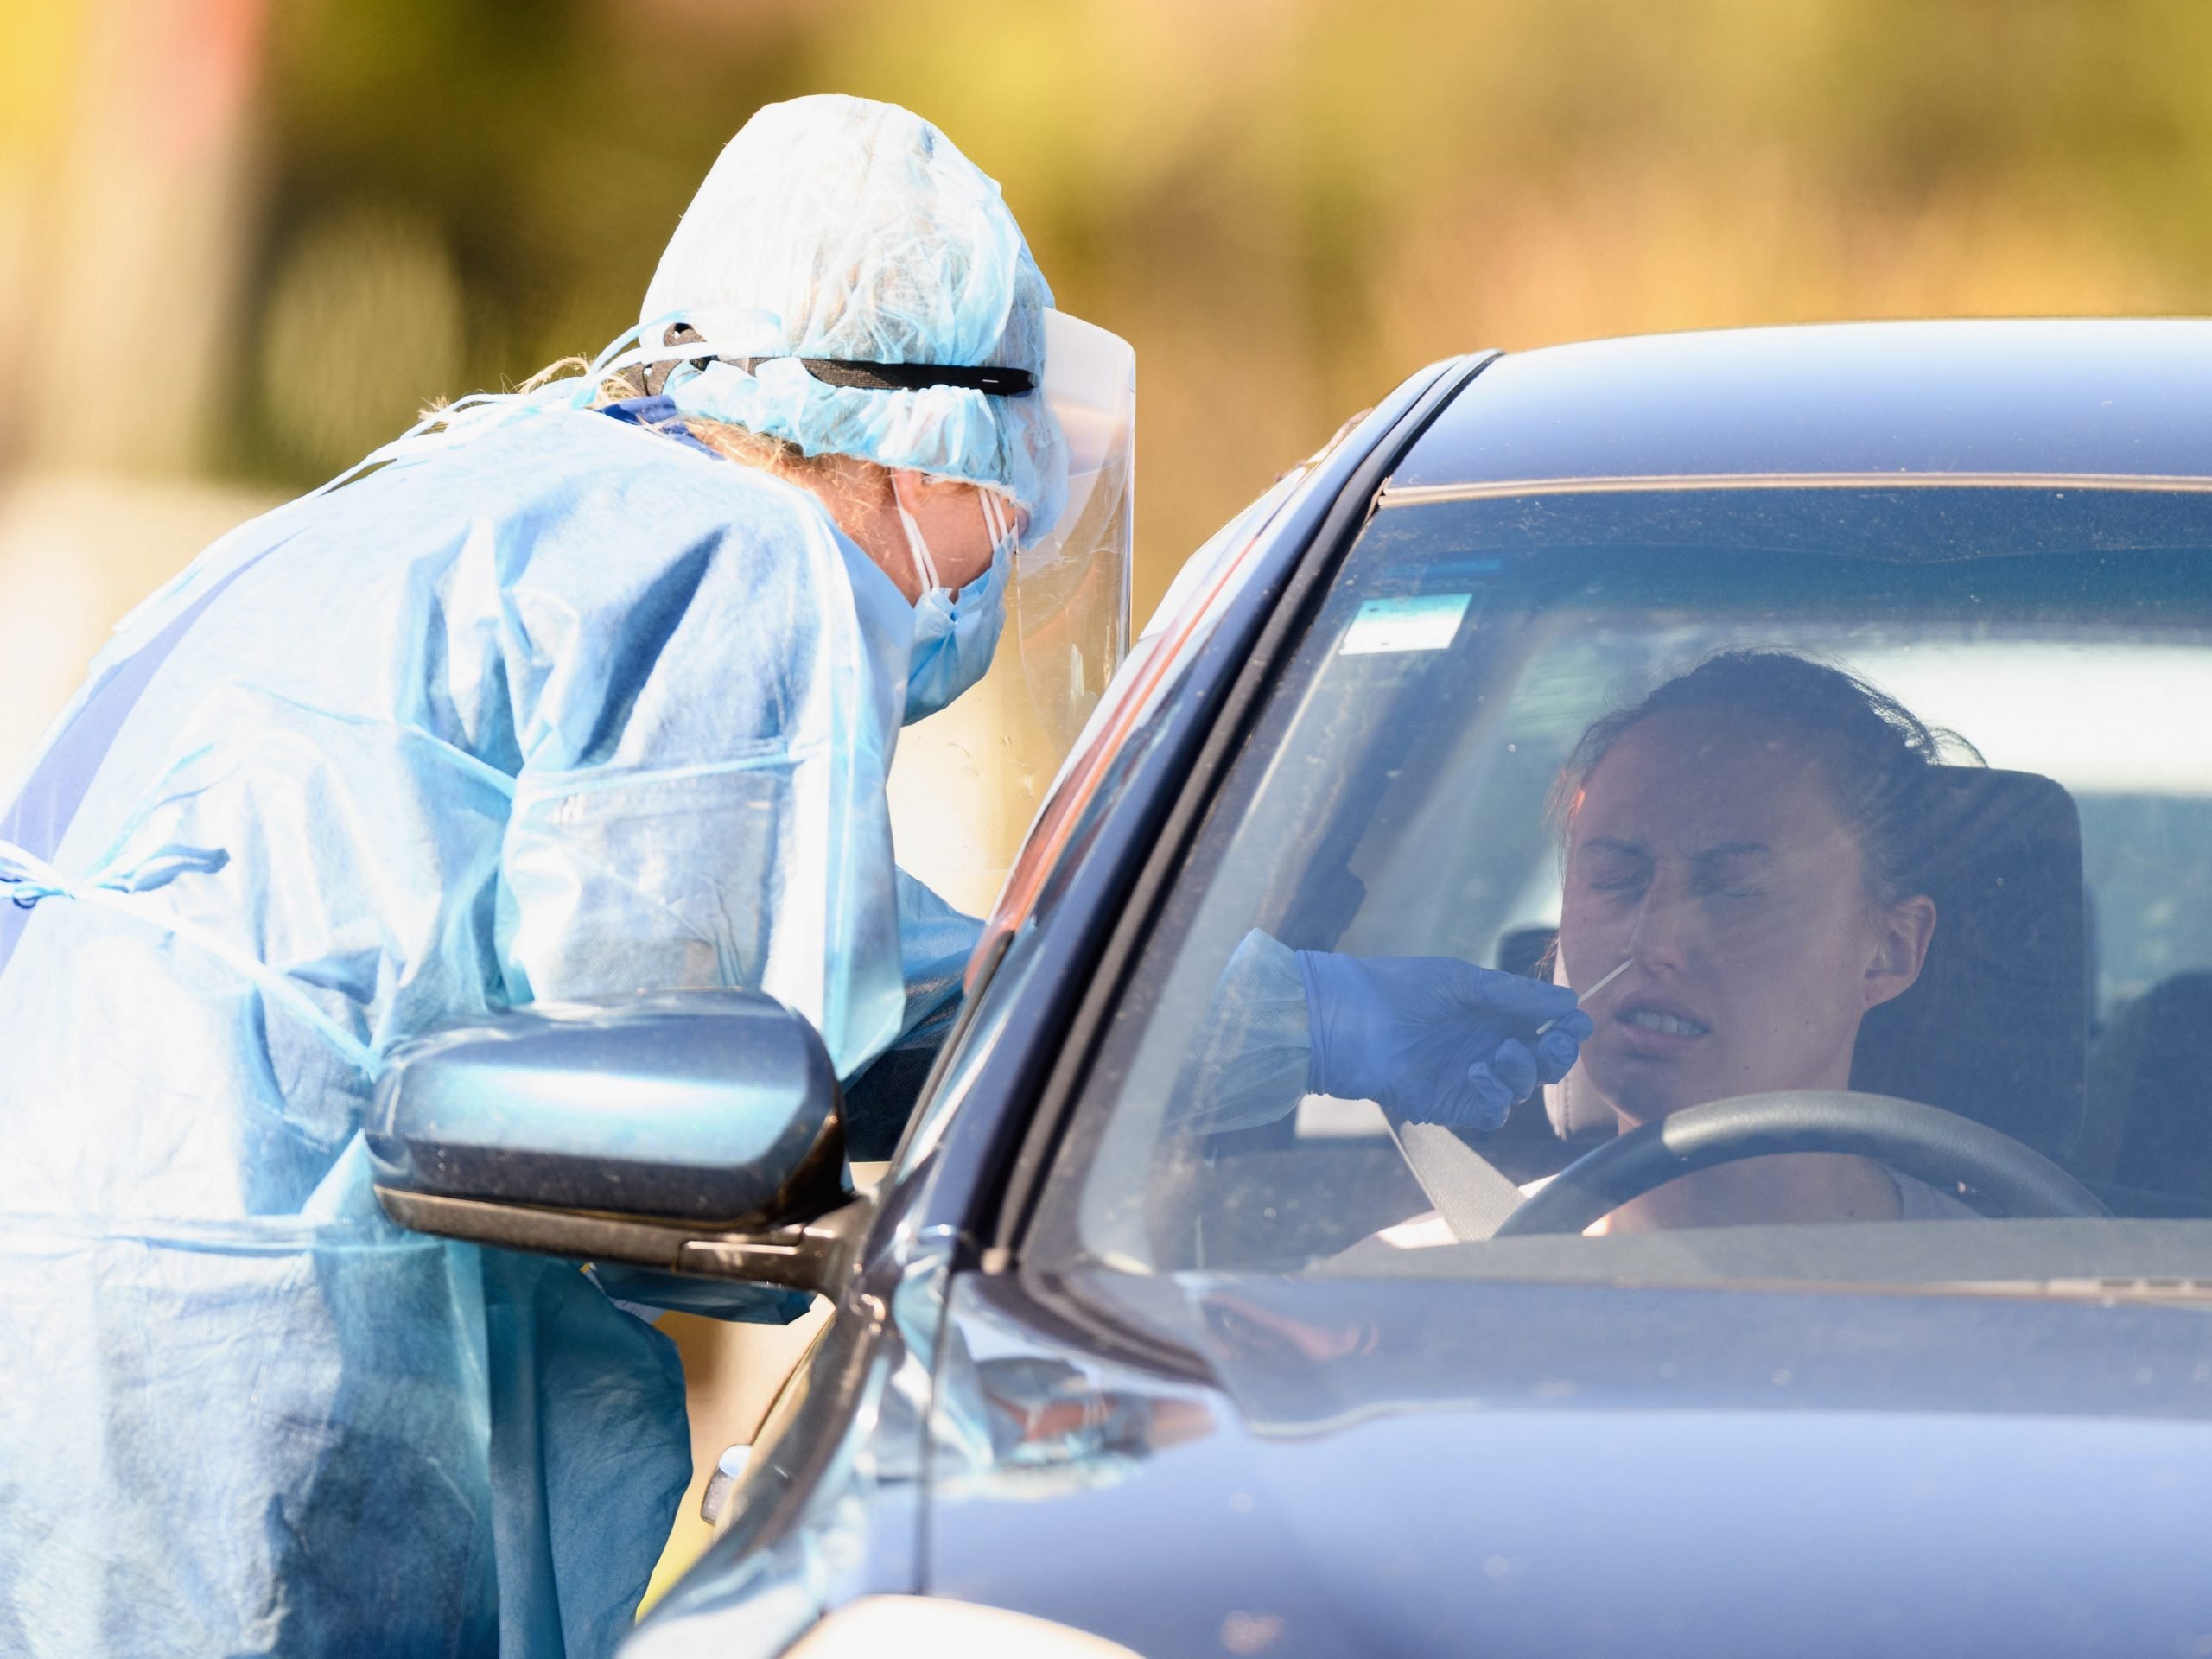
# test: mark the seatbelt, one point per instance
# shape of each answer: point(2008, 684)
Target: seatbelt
point(1467, 1189)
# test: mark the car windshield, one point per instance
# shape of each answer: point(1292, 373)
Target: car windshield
point(1905, 790)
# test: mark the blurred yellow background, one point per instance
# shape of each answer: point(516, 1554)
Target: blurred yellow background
point(241, 242)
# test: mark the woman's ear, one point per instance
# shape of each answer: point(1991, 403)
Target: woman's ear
point(1901, 933)
point(909, 488)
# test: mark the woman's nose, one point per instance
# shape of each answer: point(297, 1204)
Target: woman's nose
point(1659, 932)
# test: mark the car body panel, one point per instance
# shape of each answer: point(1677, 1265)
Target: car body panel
point(1382, 1467)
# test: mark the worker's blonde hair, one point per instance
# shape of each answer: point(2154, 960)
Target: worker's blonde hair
point(839, 475)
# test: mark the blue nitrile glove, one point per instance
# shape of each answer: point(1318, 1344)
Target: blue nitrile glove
point(1433, 1039)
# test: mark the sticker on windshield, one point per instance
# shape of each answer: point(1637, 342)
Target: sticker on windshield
point(1425, 622)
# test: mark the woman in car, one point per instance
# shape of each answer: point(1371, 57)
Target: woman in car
point(1744, 838)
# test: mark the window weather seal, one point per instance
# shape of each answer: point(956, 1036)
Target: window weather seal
point(1418, 495)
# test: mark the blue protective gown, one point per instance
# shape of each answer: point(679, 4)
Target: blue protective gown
point(568, 707)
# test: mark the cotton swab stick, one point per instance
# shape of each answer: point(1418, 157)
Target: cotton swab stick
point(1585, 996)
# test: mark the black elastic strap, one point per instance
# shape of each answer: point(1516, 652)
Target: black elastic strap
point(907, 376)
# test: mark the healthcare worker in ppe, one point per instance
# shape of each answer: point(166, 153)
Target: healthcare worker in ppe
point(586, 689)
point(553, 700)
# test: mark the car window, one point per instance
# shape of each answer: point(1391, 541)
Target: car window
point(2023, 937)
point(1137, 713)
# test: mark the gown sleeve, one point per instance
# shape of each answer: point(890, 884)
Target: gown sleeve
point(704, 732)
point(1249, 1065)
point(935, 942)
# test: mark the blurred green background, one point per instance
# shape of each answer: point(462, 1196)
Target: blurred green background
point(1286, 204)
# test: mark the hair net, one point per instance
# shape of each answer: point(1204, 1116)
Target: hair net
point(842, 228)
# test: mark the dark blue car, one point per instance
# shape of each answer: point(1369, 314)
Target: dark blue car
point(1143, 1346)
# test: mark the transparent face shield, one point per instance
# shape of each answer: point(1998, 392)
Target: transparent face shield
point(1068, 616)
point(968, 782)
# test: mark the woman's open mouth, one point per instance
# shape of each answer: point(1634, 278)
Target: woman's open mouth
point(1651, 1020)
point(1654, 1028)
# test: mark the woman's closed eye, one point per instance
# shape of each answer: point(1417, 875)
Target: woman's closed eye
point(1609, 867)
point(1734, 872)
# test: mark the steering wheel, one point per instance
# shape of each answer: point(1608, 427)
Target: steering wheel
point(1938, 1146)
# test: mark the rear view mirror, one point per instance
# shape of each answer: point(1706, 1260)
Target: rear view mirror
point(696, 1132)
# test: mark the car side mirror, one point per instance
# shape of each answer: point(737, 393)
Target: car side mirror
point(695, 1132)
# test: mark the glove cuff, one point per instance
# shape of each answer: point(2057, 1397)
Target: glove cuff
point(1319, 971)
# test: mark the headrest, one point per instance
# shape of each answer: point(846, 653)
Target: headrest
point(2148, 1072)
point(1996, 1027)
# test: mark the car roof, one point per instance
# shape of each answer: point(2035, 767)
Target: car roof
point(2078, 399)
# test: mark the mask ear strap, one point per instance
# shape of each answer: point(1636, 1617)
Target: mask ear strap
point(996, 524)
point(925, 566)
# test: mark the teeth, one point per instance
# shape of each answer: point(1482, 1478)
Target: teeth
point(1666, 1022)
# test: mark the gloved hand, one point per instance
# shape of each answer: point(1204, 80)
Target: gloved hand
point(1433, 1039)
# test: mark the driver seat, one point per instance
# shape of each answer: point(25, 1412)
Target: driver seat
point(1996, 1027)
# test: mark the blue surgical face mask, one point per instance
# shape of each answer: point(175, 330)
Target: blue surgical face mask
point(955, 637)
